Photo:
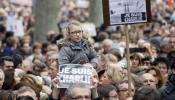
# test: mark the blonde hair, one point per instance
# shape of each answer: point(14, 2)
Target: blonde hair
point(111, 58)
point(115, 73)
point(71, 25)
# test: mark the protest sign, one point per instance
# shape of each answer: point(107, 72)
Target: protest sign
point(15, 24)
point(10, 23)
point(74, 73)
point(82, 3)
point(126, 11)
point(89, 28)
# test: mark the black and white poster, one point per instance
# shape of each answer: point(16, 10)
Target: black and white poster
point(74, 73)
point(126, 11)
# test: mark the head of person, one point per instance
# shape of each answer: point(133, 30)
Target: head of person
point(113, 74)
point(7, 95)
point(111, 58)
point(74, 31)
point(148, 80)
point(9, 81)
point(27, 66)
point(33, 82)
point(26, 91)
point(2, 77)
point(7, 62)
point(53, 69)
point(40, 69)
point(107, 45)
point(25, 47)
point(36, 48)
point(108, 92)
point(147, 93)
point(146, 61)
point(78, 91)
point(172, 42)
point(162, 64)
point(124, 90)
point(156, 73)
point(135, 60)
point(19, 73)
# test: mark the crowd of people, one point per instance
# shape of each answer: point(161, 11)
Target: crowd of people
point(29, 70)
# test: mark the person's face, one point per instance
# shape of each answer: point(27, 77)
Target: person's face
point(80, 94)
point(105, 79)
point(146, 63)
point(37, 51)
point(125, 72)
point(95, 79)
point(135, 61)
point(1, 79)
point(75, 33)
point(106, 48)
point(53, 69)
point(8, 65)
point(123, 91)
point(113, 95)
point(163, 68)
point(26, 47)
point(153, 72)
point(172, 43)
point(148, 80)
point(17, 78)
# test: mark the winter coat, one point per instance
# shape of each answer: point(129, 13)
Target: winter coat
point(72, 54)
point(168, 90)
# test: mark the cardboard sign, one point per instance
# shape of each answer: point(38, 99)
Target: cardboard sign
point(74, 73)
point(126, 11)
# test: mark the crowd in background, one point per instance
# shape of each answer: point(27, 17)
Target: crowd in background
point(29, 70)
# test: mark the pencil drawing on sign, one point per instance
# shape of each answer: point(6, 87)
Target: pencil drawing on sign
point(119, 7)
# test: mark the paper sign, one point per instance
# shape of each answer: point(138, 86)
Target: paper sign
point(126, 11)
point(82, 3)
point(74, 73)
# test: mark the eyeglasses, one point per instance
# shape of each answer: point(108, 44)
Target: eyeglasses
point(81, 98)
point(76, 32)
point(125, 90)
point(113, 97)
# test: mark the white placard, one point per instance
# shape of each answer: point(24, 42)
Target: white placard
point(74, 73)
point(127, 11)
point(82, 3)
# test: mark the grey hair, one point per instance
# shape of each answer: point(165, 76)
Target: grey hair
point(69, 90)
point(25, 89)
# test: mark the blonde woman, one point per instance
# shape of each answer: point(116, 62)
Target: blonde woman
point(75, 49)
point(112, 75)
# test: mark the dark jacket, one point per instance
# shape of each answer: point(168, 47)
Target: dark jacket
point(168, 90)
point(71, 53)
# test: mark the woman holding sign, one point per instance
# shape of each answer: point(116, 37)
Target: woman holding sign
point(74, 49)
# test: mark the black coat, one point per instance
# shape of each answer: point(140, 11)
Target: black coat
point(168, 90)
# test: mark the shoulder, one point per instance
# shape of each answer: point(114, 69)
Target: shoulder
point(167, 89)
point(63, 43)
